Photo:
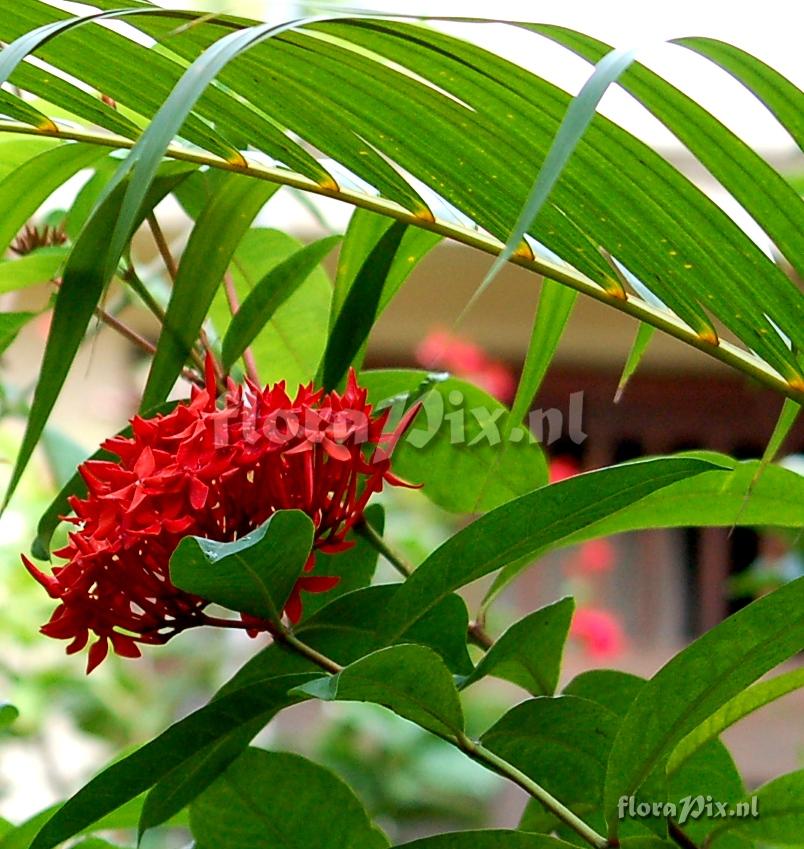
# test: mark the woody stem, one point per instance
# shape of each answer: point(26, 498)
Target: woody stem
point(372, 535)
point(248, 355)
point(140, 341)
point(172, 268)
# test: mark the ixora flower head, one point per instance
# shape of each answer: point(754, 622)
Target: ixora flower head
point(213, 470)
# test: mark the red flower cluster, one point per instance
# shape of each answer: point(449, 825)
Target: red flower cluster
point(216, 472)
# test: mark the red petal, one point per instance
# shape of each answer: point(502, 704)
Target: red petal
point(51, 585)
point(97, 654)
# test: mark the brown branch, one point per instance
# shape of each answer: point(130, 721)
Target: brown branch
point(234, 306)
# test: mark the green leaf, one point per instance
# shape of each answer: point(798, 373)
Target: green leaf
point(780, 814)
point(611, 688)
point(213, 242)
point(734, 710)
point(360, 307)
point(552, 314)
point(127, 778)
point(10, 325)
point(410, 680)
point(458, 435)
point(268, 800)
point(24, 190)
point(562, 743)
point(143, 160)
point(711, 773)
point(784, 99)
point(8, 713)
point(716, 499)
point(487, 839)
point(529, 652)
point(346, 630)
point(486, 121)
point(125, 817)
point(526, 526)
point(643, 336)
point(573, 125)
point(30, 270)
point(253, 574)
point(269, 294)
point(81, 288)
point(697, 682)
point(761, 190)
point(178, 787)
point(784, 424)
point(364, 232)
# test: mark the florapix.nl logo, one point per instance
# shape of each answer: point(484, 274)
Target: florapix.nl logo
point(688, 808)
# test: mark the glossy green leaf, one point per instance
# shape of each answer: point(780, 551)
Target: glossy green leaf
point(15, 150)
point(734, 710)
point(14, 107)
point(699, 681)
point(360, 307)
point(30, 270)
point(127, 778)
point(529, 653)
point(562, 743)
point(347, 629)
point(410, 680)
point(269, 294)
point(712, 499)
point(526, 526)
point(776, 817)
point(213, 242)
point(10, 325)
point(82, 285)
point(552, 314)
point(253, 574)
point(179, 786)
point(458, 436)
point(233, 813)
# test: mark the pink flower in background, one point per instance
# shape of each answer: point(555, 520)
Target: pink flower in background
point(596, 556)
point(599, 631)
point(444, 349)
point(562, 468)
